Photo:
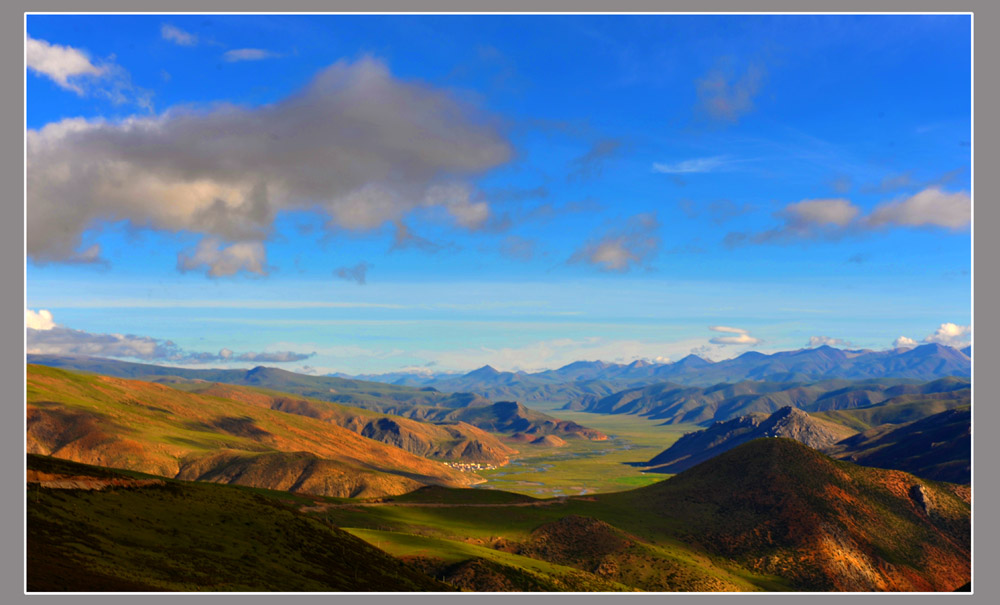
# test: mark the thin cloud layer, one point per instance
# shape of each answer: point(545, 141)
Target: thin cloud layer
point(248, 54)
point(624, 247)
point(358, 144)
point(45, 337)
point(692, 166)
point(820, 341)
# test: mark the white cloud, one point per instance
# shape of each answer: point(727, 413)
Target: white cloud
point(623, 247)
point(742, 339)
point(904, 343)
point(819, 341)
point(177, 35)
point(932, 207)
point(358, 144)
point(219, 261)
point(952, 335)
point(728, 329)
point(61, 64)
point(742, 336)
point(248, 54)
point(73, 70)
point(40, 320)
point(692, 166)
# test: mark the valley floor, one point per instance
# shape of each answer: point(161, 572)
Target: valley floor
point(586, 467)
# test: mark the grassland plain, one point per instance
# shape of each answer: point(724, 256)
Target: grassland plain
point(587, 467)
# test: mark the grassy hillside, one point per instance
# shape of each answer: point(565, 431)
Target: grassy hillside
point(178, 536)
point(771, 514)
point(156, 429)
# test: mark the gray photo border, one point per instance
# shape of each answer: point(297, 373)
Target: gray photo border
point(987, 249)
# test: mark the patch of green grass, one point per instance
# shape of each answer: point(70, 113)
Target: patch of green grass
point(451, 551)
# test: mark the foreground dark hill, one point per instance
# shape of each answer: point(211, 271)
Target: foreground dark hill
point(96, 530)
point(695, 448)
point(938, 447)
point(778, 507)
point(425, 404)
point(153, 428)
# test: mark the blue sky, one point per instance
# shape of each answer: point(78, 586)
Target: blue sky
point(368, 193)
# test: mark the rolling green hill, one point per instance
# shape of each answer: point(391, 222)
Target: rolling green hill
point(771, 514)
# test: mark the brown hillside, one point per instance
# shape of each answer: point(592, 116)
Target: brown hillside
point(446, 441)
point(155, 429)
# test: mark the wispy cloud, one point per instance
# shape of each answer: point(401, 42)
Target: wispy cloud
point(819, 341)
point(177, 35)
point(591, 164)
point(218, 260)
point(727, 94)
point(45, 337)
point(709, 164)
point(72, 69)
point(742, 337)
point(248, 54)
point(622, 247)
point(358, 273)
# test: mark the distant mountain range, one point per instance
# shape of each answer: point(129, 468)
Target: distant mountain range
point(584, 382)
point(675, 403)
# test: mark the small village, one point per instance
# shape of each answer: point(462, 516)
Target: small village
point(471, 466)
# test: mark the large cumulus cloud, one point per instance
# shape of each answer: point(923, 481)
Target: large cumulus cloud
point(357, 144)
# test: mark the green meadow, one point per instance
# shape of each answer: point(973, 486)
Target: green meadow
point(586, 467)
